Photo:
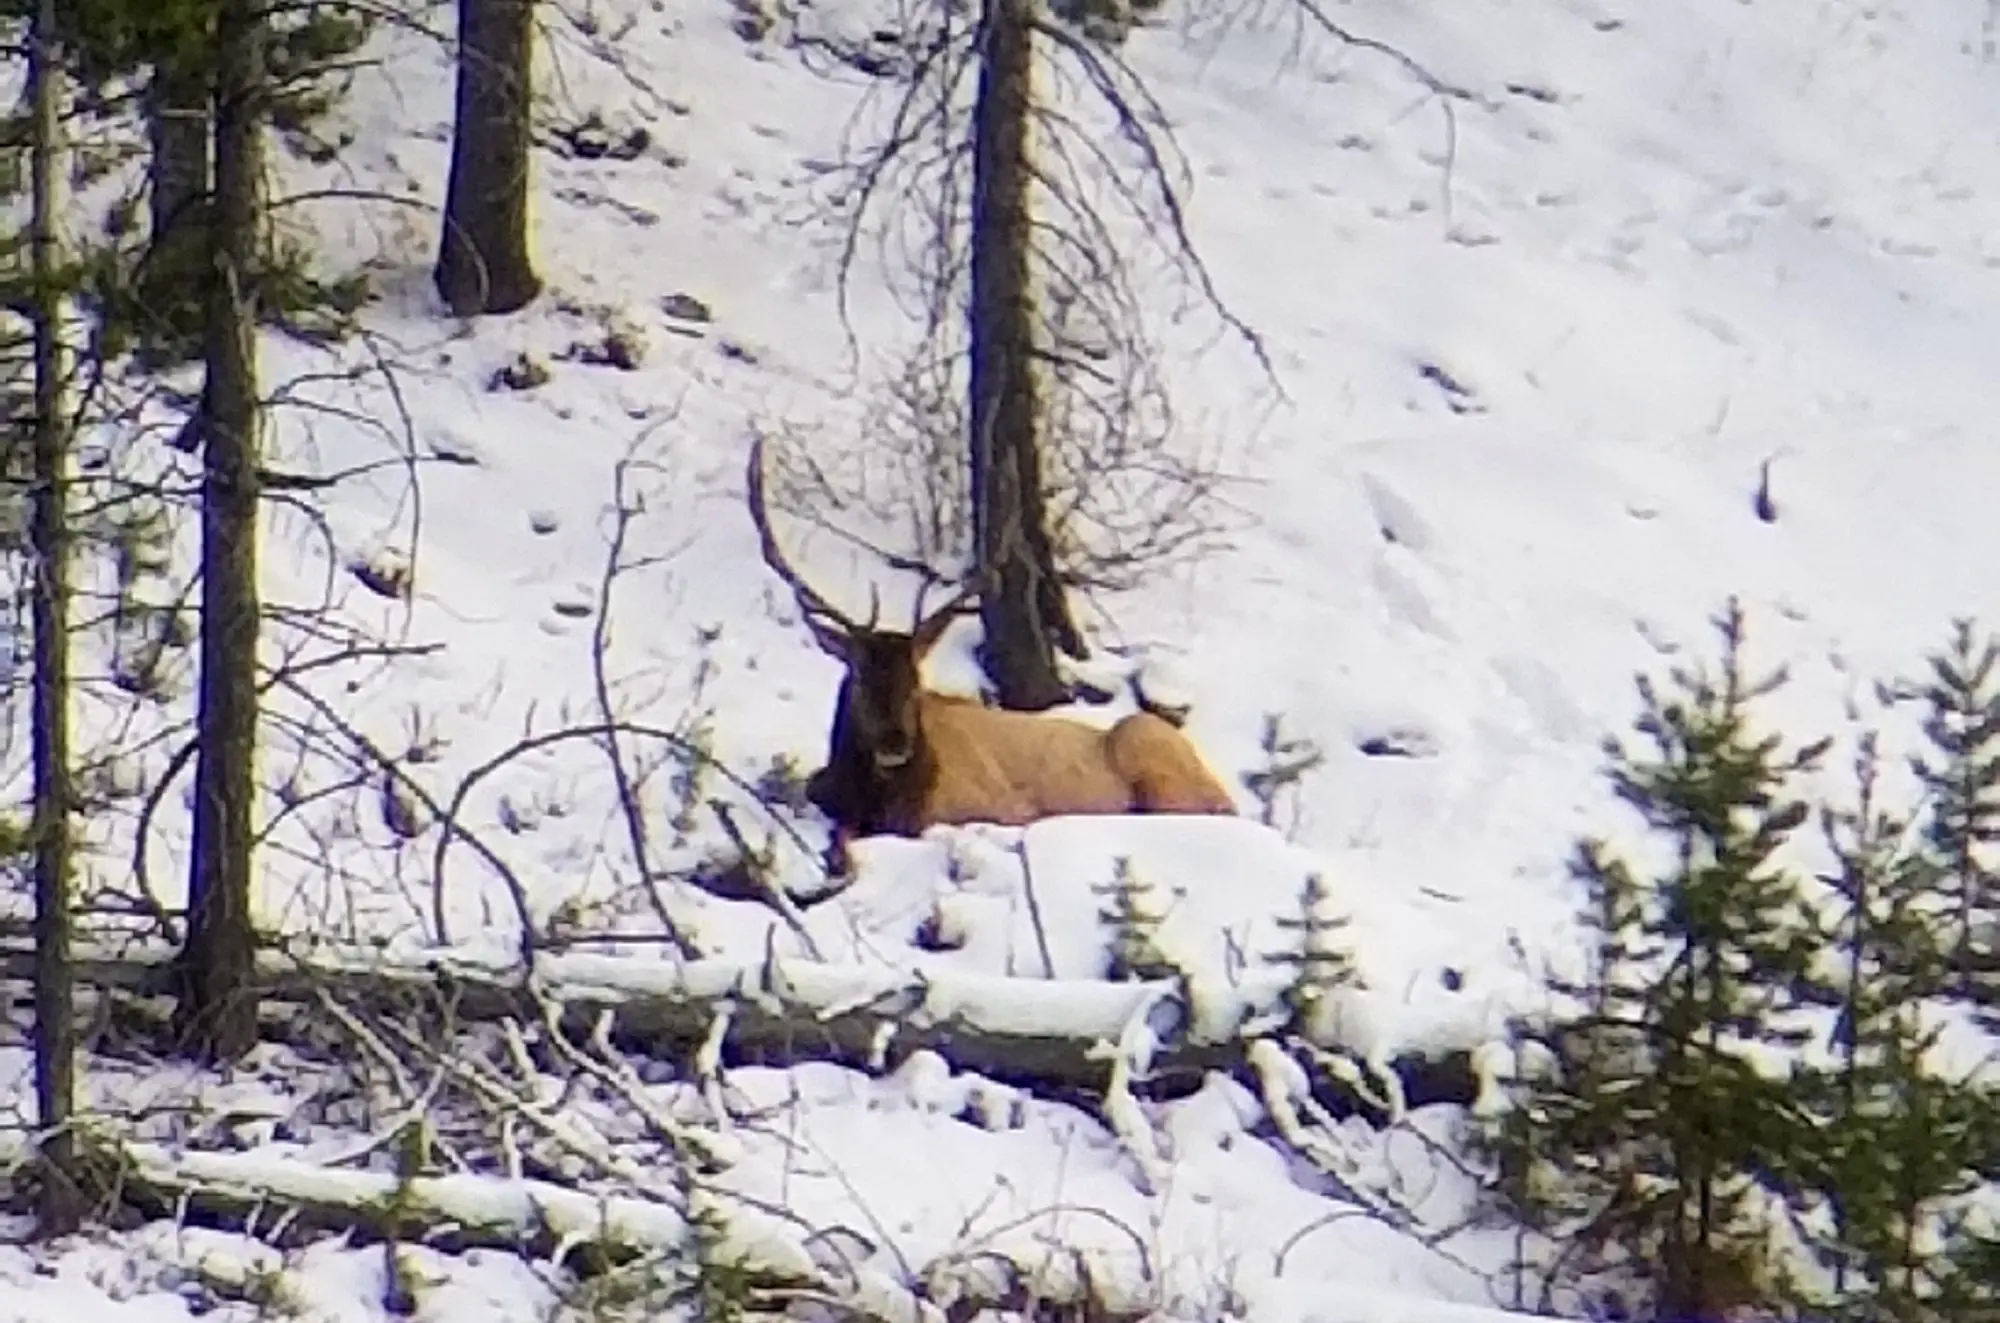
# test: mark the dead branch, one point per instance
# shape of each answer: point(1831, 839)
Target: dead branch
point(448, 815)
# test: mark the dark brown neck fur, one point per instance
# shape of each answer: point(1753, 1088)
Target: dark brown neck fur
point(859, 795)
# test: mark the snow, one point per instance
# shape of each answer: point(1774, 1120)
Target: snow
point(1535, 342)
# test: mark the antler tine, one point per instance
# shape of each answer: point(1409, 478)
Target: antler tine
point(968, 592)
point(767, 543)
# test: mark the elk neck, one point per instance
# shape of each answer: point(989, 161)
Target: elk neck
point(866, 796)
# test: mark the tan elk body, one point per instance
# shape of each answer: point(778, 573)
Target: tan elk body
point(905, 758)
point(1013, 768)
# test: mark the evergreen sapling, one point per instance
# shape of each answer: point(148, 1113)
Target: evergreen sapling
point(1668, 1115)
point(1897, 1142)
point(1960, 774)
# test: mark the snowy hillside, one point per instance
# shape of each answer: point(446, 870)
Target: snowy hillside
point(1545, 286)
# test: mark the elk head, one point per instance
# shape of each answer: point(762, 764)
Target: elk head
point(878, 760)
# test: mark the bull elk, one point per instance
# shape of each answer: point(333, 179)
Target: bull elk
point(904, 758)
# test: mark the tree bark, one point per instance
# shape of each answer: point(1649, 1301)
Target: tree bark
point(168, 313)
point(218, 1011)
point(1022, 607)
point(483, 263)
point(62, 1202)
point(177, 172)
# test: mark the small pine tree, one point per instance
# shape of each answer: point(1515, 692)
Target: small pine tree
point(1322, 966)
point(1973, 1247)
point(1131, 909)
point(1960, 774)
point(1898, 1144)
point(1657, 1125)
point(1583, 1052)
point(1321, 961)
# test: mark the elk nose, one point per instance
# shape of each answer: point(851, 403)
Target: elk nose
point(893, 752)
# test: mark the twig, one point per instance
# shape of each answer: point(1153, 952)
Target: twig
point(1035, 911)
point(630, 809)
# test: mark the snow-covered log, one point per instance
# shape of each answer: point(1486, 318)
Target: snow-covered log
point(284, 1199)
point(1060, 1038)
point(771, 1256)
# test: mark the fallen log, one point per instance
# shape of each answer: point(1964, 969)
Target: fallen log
point(770, 1255)
point(1068, 1039)
point(286, 1201)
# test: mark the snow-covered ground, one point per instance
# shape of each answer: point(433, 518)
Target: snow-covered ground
point(1536, 342)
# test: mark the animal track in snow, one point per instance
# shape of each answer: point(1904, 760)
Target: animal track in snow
point(1892, 246)
point(1408, 602)
point(1541, 691)
point(1395, 518)
point(1725, 231)
point(1398, 742)
point(1458, 397)
point(1714, 323)
point(1535, 90)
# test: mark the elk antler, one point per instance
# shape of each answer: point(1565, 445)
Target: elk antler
point(969, 592)
point(929, 628)
point(811, 604)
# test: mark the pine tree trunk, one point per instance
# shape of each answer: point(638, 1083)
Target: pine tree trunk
point(1022, 608)
point(62, 1202)
point(177, 172)
point(218, 1011)
point(171, 279)
point(483, 263)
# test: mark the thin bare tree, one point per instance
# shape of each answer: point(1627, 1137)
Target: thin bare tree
point(61, 1203)
point(218, 1012)
point(1020, 177)
point(1023, 607)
